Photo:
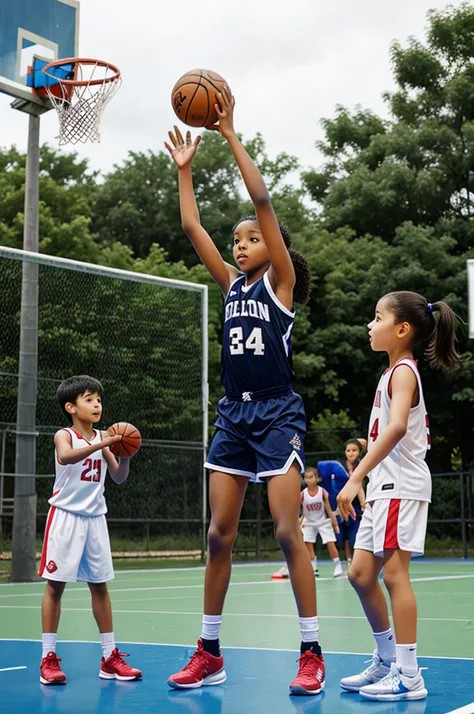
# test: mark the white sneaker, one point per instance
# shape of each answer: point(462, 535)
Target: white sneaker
point(281, 574)
point(339, 571)
point(375, 672)
point(396, 687)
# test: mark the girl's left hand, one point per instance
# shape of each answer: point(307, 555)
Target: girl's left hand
point(345, 498)
point(225, 112)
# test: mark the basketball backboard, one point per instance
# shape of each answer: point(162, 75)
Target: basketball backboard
point(45, 29)
point(470, 291)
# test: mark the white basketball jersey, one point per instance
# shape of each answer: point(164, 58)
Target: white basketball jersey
point(404, 472)
point(313, 507)
point(79, 488)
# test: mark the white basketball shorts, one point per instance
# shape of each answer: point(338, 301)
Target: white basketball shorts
point(393, 524)
point(324, 529)
point(76, 548)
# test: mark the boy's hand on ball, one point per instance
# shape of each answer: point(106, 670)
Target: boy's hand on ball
point(225, 111)
point(109, 440)
point(182, 150)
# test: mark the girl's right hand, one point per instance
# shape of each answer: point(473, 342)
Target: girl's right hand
point(182, 152)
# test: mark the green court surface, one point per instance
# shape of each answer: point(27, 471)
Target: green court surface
point(165, 606)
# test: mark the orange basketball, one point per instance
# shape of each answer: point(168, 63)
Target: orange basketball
point(130, 442)
point(194, 96)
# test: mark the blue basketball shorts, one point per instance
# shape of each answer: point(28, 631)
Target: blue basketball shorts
point(258, 439)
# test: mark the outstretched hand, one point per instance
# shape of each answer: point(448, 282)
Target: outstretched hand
point(225, 111)
point(183, 151)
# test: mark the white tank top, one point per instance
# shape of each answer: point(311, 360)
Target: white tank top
point(79, 488)
point(404, 472)
point(313, 507)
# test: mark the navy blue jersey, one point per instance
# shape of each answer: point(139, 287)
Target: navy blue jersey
point(256, 349)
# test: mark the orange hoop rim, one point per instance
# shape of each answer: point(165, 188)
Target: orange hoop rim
point(82, 82)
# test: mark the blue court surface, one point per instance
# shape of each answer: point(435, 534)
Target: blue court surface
point(259, 636)
point(257, 683)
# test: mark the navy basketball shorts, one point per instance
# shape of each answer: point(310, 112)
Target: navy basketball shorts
point(258, 439)
point(348, 529)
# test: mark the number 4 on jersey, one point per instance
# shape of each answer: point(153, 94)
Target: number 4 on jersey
point(374, 432)
point(253, 342)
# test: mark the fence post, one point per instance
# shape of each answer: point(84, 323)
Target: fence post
point(463, 517)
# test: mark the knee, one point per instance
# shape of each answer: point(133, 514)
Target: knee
point(358, 579)
point(288, 536)
point(55, 589)
point(392, 578)
point(220, 537)
point(99, 589)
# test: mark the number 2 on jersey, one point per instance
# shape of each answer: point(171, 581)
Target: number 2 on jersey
point(92, 470)
point(253, 342)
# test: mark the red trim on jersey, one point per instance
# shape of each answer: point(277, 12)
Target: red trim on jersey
point(79, 436)
point(400, 364)
point(55, 493)
point(391, 527)
point(44, 550)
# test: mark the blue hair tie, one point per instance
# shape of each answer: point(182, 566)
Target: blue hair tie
point(430, 307)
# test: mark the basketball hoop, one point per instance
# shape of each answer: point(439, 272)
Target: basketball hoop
point(80, 89)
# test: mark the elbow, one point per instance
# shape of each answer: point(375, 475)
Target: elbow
point(187, 227)
point(261, 199)
point(399, 430)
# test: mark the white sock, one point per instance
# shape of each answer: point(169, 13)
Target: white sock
point(336, 561)
point(386, 645)
point(107, 640)
point(211, 625)
point(49, 642)
point(406, 660)
point(315, 563)
point(309, 629)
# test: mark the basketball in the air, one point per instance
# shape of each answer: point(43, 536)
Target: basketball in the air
point(194, 97)
point(130, 442)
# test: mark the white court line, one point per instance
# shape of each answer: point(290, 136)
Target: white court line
point(468, 709)
point(10, 669)
point(253, 649)
point(276, 584)
point(192, 613)
point(236, 566)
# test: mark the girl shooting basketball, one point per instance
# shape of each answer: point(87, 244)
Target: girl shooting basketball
point(393, 525)
point(261, 421)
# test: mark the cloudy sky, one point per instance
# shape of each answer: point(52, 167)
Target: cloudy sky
point(288, 63)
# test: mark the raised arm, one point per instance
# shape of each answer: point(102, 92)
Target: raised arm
point(183, 151)
point(282, 274)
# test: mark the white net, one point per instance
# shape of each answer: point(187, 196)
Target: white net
point(80, 106)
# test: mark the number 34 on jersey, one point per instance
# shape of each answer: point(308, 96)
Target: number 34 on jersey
point(239, 344)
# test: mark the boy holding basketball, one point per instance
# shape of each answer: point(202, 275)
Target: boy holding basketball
point(76, 541)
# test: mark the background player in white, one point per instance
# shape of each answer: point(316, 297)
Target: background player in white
point(317, 518)
point(76, 540)
point(393, 525)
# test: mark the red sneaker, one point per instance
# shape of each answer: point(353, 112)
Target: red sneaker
point(114, 667)
point(50, 671)
point(203, 669)
point(311, 674)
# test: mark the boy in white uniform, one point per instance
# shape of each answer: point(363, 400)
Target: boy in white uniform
point(76, 541)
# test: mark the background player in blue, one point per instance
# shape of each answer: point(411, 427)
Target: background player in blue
point(261, 421)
